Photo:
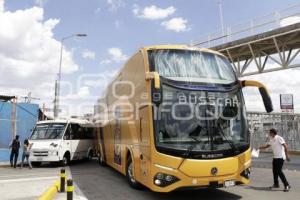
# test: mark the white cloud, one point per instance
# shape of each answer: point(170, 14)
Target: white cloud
point(27, 46)
point(88, 54)
point(83, 92)
point(289, 21)
point(153, 12)
point(280, 82)
point(177, 24)
point(101, 80)
point(114, 55)
point(29, 54)
point(115, 4)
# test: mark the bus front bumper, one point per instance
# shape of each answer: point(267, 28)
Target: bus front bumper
point(48, 158)
point(179, 180)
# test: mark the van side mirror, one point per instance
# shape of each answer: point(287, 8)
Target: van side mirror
point(153, 76)
point(263, 92)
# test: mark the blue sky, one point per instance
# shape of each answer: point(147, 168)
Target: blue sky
point(117, 28)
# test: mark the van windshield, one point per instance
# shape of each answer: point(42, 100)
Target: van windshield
point(48, 131)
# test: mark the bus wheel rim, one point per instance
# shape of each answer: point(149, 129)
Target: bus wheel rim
point(130, 173)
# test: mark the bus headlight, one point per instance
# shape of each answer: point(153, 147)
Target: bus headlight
point(163, 180)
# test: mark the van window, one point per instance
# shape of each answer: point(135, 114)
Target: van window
point(77, 132)
point(68, 133)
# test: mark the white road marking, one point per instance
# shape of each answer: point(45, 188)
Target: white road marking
point(20, 175)
point(28, 179)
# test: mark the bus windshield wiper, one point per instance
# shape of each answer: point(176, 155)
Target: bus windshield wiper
point(220, 130)
point(187, 153)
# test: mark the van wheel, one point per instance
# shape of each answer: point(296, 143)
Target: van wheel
point(36, 164)
point(130, 176)
point(101, 160)
point(66, 160)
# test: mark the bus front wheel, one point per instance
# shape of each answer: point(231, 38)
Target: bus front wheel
point(130, 175)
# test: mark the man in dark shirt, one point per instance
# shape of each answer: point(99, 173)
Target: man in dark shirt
point(15, 146)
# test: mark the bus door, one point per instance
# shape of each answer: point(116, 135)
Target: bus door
point(144, 138)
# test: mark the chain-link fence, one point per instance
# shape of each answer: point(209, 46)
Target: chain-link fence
point(287, 125)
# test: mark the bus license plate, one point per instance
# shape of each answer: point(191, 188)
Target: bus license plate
point(229, 183)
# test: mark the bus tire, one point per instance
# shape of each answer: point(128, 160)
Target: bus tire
point(101, 160)
point(66, 160)
point(130, 176)
point(36, 164)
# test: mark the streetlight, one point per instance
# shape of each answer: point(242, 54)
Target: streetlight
point(221, 16)
point(57, 82)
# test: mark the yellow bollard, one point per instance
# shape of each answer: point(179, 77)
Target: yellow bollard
point(62, 180)
point(70, 189)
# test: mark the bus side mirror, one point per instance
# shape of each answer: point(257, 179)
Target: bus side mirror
point(153, 76)
point(263, 92)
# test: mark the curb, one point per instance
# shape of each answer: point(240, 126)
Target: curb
point(51, 192)
point(4, 165)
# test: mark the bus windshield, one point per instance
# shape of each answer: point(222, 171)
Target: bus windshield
point(48, 131)
point(192, 66)
point(210, 121)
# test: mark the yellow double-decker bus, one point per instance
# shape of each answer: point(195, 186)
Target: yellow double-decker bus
point(174, 117)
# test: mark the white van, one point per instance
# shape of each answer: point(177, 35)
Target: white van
point(61, 141)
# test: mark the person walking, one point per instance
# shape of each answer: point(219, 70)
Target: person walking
point(280, 154)
point(14, 154)
point(26, 153)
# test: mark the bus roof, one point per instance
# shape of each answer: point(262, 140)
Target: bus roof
point(183, 47)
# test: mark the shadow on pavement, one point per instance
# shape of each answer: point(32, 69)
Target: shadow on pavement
point(97, 182)
point(263, 189)
point(258, 188)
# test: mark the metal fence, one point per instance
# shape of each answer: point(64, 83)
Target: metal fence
point(287, 125)
point(281, 18)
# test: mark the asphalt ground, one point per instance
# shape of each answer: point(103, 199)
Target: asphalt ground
point(96, 183)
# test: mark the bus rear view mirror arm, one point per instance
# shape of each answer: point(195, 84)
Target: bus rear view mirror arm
point(153, 76)
point(263, 92)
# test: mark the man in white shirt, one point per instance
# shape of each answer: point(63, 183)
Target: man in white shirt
point(280, 153)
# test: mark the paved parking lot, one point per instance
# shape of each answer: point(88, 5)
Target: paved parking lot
point(104, 183)
point(25, 184)
point(97, 183)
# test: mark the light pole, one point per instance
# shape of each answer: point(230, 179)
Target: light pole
point(221, 16)
point(57, 82)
